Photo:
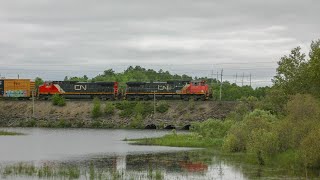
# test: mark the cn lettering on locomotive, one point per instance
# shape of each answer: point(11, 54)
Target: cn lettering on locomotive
point(80, 87)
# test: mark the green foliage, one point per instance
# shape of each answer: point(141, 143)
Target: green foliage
point(109, 108)
point(38, 81)
point(58, 100)
point(137, 122)
point(310, 149)
point(303, 114)
point(240, 133)
point(274, 101)
point(96, 110)
point(246, 105)
point(211, 128)
point(263, 144)
point(79, 79)
point(162, 107)
point(296, 74)
point(64, 124)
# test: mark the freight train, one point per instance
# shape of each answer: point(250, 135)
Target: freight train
point(23, 88)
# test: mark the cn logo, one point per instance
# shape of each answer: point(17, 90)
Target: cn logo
point(80, 87)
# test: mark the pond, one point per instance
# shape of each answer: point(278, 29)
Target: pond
point(101, 154)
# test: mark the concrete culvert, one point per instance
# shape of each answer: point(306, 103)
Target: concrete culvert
point(170, 127)
point(186, 127)
point(151, 126)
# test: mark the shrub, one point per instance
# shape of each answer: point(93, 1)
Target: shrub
point(139, 108)
point(303, 113)
point(245, 106)
point(96, 111)
point(96, 124)
point(212, 128)
point(263, 144)
point(63, 124)
point(162, 107)
point(242, 131)
point(127, 108)
point(58, 100)
point(236, 139)
point(137, 121)
point(310, 149)
point(109, 108)
point(232, 144)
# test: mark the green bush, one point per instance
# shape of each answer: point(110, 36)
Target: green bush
point(96, 124)
point(310, 149)
point(109, 108)
point(139, 108)
point(58, 100)
point(303, 114)
point(137, 122)
point(126, 107)
point(96, 111)
point(263, 144)
point(242, 131)
point(63, 124)
point(212, 128)
point(245, 106)
point(236, 139)
point(123, 105)
point(162, 107)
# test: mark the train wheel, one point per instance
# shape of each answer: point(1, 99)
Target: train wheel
point(203, 98)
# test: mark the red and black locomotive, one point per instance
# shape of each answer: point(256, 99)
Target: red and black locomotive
point(167, 90)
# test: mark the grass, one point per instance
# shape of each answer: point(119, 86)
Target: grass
point(179, 140)
point(56, 171)
point(7, 133)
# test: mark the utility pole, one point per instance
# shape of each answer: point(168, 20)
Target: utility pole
point(32, 103)
point(154, 104)
point(217, 76)
point(212, 76)
point(236, 78)
point(242, 79)
point(221, 84)
point(250, 79)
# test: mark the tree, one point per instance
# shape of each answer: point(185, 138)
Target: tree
point(290, 73)
point(314, 68)
point(38, 81)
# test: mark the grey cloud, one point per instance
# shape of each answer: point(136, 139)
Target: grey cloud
point(65, 37)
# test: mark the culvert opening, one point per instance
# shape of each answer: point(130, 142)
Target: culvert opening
point(186, 127)
point(151, 126)
point(170, 127)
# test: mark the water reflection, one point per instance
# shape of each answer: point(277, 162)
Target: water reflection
point(199, 164)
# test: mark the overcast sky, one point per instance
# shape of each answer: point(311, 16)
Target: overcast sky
point(53, 38)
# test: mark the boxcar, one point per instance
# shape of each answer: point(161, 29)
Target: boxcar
point(79, 90)
point(16, 88)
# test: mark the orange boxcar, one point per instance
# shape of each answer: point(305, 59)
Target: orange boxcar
point(19, 88)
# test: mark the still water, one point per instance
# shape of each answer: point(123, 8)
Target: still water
point(101, 154)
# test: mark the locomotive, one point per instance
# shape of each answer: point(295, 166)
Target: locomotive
point(23, 88)
point(79, 90)
point(167, 90)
